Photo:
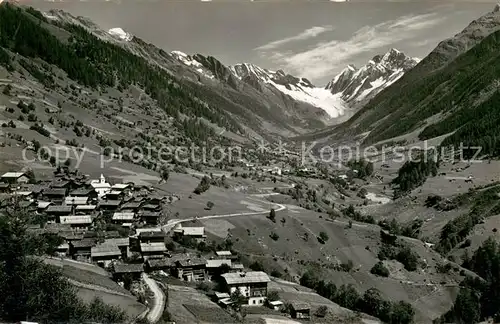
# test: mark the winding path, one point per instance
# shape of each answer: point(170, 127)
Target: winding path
point(171, 223)
point(159, 300)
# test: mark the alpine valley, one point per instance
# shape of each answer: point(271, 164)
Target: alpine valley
point(141, 184)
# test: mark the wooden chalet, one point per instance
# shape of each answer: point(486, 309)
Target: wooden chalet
point(115, 195)
point(123, 244)
point(14, 177)
point(85, 209)
point(104, 253)
point(131, 206)
point(196, 233)
point(76, 201)
point(153, 250)
point(82, 249)
point(121, 269)
point(152, 237)
point(77, 221)
point(84, 192)
point(217, 267)
point(159, 264)
point(55, 195)
point(300, 310)
point(121, 217)
point(109, 205)
point(58, 210)
point(149, 217)
point(252, 285)
point(191, 269)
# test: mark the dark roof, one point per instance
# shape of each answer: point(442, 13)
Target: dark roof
point(92, 234)
point(82, 191)
point(151, 234)
point(55, 192)
point(300, 306)
point(71, 235)
point(128, 268)
point(192, 262)
point(159, 263)
point(150, 214)
point(85, 243)
point(235, 278)
point(56, 227)
point(25, 203)
point(109, 203)
point(111, 234)
point(58, 209)
point(37, 188)
point(60, 184)
point(132, 205)
point(151, 206)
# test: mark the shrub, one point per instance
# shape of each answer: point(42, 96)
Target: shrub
point(275, 273)
point(203, 285)
point(272, 215)
point(7, 89)
point(32, 118)
point(380, 270)
point(203, 186)
point(321, 311)
point(273, 295)
point(274, 236)
point(256, 266)
point(408, 258)
point(40, 129)
point(323, 236)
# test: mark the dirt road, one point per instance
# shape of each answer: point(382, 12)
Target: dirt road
point(171, 223)
point(159, 300)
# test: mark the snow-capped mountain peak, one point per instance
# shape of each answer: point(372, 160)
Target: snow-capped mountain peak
point(268, 83)
point(185, 58)
point(299, 89)
point(356, 85)
point(244, 70)
point(120, 34)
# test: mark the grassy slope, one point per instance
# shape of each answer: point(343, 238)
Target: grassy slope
point(359, 244)
point(460, 94)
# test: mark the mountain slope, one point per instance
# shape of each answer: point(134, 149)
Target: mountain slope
point(454, 87)
point(360, 85)
point(289, 93)
point(118, 60)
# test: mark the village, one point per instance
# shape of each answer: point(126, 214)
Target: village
point(121, 228)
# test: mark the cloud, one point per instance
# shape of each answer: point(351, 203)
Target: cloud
point(306, 34)
point(326, 58)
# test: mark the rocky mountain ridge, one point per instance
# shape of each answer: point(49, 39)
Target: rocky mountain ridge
point(359, 85)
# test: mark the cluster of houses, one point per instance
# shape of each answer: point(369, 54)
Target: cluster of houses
point(74, 200)
point(91, 215)
point(73, 205)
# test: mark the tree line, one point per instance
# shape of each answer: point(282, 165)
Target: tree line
point(95, 63)
point(413, 174)
point(371, 302)
point(479, 298)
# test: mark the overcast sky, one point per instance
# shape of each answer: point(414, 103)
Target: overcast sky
point(309, 39)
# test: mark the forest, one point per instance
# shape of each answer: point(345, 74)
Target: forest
point(463, 94)
point(479, 298)
point(98, 64)
point(483, 203)
point(413, 174)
